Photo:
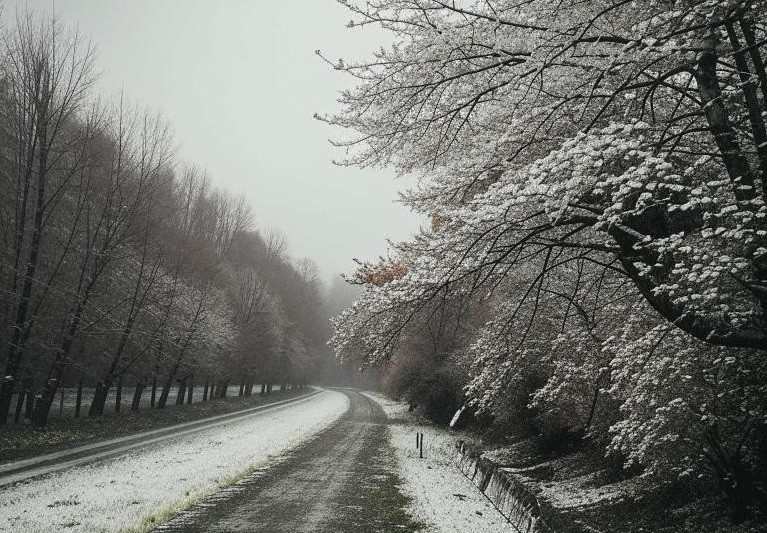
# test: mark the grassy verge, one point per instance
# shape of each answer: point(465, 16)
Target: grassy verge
point(160, 516)
point(24, 440)
point(373, 495)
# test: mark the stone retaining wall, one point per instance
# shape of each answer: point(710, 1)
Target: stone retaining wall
point(510, 496)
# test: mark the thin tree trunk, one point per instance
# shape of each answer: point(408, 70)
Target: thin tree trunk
point(735, 161)
point(30, 403)
point(119, 395)
point(19, 404)
point(22, 322)
point(98, 403)
point(21, 328)
point(79, 400)
point(164, 393)
point(181, 392)
point(61, 360)
point(137, 396)
point(168, 384)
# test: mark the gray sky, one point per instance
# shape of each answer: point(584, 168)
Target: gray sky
point(239, 81)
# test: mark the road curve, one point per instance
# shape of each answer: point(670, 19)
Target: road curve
point(22, 470)
point(341, 481)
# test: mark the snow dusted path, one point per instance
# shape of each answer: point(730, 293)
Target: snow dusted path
point(441, 496)
point(136, 489)
point(16, 471)
point(343, 481)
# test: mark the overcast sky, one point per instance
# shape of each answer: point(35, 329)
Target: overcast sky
point(239, 81)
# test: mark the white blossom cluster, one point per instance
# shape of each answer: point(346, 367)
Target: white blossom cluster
point(596, 173)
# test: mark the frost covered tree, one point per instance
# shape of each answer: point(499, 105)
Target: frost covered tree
point(118, 261)
point(583, 163)
point(47, 72)
point(628, 129)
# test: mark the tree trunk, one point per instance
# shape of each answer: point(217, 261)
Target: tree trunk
point(20, 401)
point(137, 396)
point(181, 394)
point(30, 404)
point(719, 123)
point(19, 406)
point(79, 399)
point(263, 389)
point(98, 404)
point(168, 384)
point(23, 321)
point(154, 393)
point(119, 396)
point(205, 392)
point(164, 393)
point(190, 391)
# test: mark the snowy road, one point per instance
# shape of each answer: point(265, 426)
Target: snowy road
point(139, 488)
point(16, 471)
point(344, 480)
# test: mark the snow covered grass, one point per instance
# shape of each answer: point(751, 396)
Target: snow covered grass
point(441, 496)
point(139, 490)
point(26, 440)
point(159, 516)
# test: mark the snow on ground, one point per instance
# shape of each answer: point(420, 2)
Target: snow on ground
point(442, 496)
point(583, 491)
point(115, 494)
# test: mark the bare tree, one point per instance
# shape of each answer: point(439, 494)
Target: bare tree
point(49, 72)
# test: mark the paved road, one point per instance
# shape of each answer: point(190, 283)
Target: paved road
point(24, 469)
point(342, 481)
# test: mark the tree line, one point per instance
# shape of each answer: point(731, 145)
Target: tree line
point(596, 267)
point(118, 261)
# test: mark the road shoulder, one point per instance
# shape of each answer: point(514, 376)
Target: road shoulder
point(441, 496)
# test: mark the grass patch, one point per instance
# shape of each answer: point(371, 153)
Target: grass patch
point(372, 499)
point(160, 516)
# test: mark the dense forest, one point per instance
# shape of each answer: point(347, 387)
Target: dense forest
point(122, 264)
point(595, 273)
